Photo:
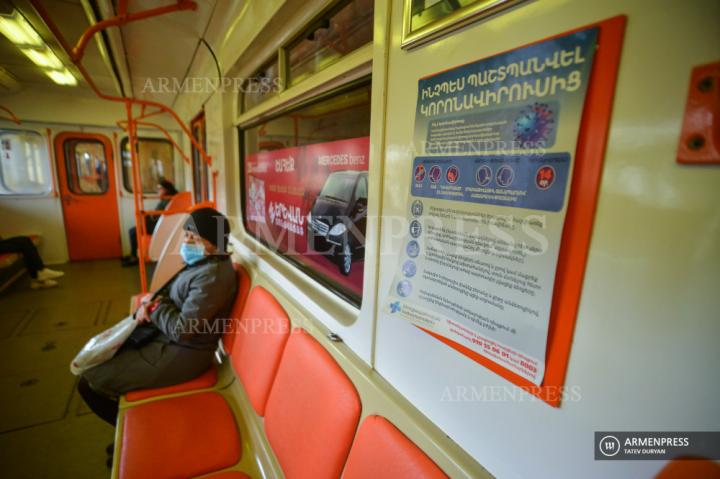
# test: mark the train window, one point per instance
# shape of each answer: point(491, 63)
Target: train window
point(24, 165)
point(86, 166)
point(333, 36)
point(155, 156)
point(425, 12)
point(305, 187)
point(263, 84)
point(345, 115)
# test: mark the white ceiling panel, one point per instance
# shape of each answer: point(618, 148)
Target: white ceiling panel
point(163, 47)
point(70, 18)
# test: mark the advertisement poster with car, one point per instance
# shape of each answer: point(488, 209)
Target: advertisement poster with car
point(310, 203)
point(490, 182)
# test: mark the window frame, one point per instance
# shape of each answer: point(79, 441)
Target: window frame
point(346, 295)
point(282, 57)
point(278, 58)
point(450, 23)
point(50, 170)
point(71, 166)
point(317, 21)
point(124, 178)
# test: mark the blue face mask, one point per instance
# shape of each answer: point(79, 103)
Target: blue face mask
point(192, 252)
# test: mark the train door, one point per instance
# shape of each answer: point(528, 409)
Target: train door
point(200, 171)
point(89, 198)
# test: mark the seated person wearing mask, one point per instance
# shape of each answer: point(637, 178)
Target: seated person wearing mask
point(188, 314)
point(166, 190)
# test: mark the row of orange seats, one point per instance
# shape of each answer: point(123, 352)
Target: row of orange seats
point(309, 407)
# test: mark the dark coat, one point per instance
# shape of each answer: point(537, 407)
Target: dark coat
point(190, 318)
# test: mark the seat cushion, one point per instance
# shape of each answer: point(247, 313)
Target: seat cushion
point(205, 380)
point(260, 339)
point(243, 282)
point(312, 412)
point(179, 437)
point(7, 259)
point(381, 451)
point(228, 475)
point(685, 468)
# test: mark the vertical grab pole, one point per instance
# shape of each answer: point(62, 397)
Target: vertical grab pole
point(214, 187)
point(137, 195)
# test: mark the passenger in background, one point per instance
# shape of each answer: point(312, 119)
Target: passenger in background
point(166, 190)
point(42, 277)
point(187, 314)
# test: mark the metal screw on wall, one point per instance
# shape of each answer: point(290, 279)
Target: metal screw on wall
point(696, 142)
point(706, 84)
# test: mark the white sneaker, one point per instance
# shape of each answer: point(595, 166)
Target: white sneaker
point(43, 283)
point(48, 273)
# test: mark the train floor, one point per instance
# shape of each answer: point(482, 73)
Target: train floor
point(46, 431)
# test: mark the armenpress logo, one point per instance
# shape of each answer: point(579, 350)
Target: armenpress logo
point(609, 446)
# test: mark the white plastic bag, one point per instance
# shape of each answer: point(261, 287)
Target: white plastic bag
point(103, 346)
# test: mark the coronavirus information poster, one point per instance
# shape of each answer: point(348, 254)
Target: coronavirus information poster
point(494, 141)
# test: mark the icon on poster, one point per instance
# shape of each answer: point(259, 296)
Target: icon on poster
point(404, 288)
point(409, 269)
point(505, 176)
point(419, 173)
point(534, 127)
point(415, 228)
point(452, 174)
point(413, 249)
point(483, 175)
point(417, 208)
point(435, 173)
point(545, 177)
point(395, 307)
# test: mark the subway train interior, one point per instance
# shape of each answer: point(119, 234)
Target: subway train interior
point(359, 239)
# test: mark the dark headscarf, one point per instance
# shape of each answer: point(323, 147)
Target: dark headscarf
point(169, 187)
point(211, 225)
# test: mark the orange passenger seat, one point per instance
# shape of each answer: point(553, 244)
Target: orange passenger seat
point(690, 467)
point(312, 412)
point(262, 332)
point(241, 300)
point(228, 475)
point(381, 451)
point(184, 436)
point(209, 378)
point(206, 417)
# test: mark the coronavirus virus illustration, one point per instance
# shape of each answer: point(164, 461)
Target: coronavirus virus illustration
point(534, 126)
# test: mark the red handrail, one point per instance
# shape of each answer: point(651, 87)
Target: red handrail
point(121, 124)
point(12, 118)
point(125, 18)
point(76, 54)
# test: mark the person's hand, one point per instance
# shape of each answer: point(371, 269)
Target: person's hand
point(146, 299)
point(142, 315)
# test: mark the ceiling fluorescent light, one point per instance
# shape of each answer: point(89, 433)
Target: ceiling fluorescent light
point(18, 30)
point(62, 77)
point(43, 58)
point(23, 35)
